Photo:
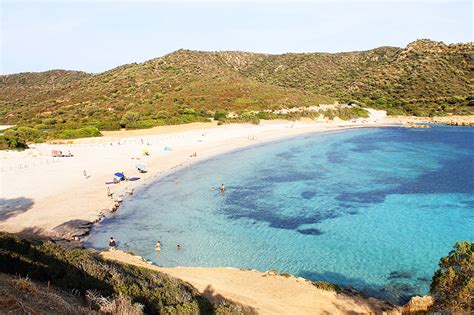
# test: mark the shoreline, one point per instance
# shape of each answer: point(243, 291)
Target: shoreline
point(164, 174)
point(43, 215)
point(48, 217)
point(59, 224)
point(267, 292)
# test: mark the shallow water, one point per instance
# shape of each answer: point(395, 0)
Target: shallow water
point(374, 209)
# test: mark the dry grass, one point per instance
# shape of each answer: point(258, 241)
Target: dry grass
point(119, 305)
point(23, 296)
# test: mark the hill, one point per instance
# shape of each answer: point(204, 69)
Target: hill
point(423, 70)
point(426, 78)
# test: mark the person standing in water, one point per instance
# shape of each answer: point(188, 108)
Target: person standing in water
point(158, 246)
point(222, 188)
point(112, 243)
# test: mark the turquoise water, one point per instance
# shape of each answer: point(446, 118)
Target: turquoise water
point(374, 209)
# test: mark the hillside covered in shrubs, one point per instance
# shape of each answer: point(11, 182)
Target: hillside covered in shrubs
point(426, 78)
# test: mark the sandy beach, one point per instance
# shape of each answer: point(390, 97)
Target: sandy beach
point(266, 292)
point(51, 195)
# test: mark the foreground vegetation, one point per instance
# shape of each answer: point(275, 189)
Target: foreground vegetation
point(426, 78)
point(99, 281)
point(453, 283)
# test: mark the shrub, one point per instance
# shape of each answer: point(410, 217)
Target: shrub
point(49, 121)
point(220, 115)
point(129, 118)
point(329, 114)
point(143, 124)
point(42, 127)
point(267, 116)
point(28, 134)
point(453, 283)
point(323, 285)
point(108, 125)
point(85, 132)
point(7, 143)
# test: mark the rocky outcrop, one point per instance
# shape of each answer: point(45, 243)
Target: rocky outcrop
point(418, 304)
point(416, 126)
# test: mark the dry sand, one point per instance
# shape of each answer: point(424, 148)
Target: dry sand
point(267, 293)
point(40, 193)
point(452, 120)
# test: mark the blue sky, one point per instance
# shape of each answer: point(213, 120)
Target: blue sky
point(97, 36)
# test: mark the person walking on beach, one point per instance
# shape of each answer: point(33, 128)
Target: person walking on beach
point(112, 244)
point(109, 193)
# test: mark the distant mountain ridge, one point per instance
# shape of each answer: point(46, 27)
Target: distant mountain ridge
point(426, 76)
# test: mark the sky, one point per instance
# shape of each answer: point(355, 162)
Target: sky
point(95, 36)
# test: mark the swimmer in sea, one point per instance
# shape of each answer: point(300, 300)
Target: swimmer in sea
point(158, 246)
point(222, 188)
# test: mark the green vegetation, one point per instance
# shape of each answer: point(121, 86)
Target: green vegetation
point(453, 283)
point(11, 143)
point(323, 285)
point(18, 137)
point(84, 132)
point(426, 78)
point(87, 274)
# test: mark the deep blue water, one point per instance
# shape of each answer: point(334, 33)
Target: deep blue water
point(374, 209)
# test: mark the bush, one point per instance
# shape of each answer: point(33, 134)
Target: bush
point(8, 143)
point(42, 127)
point(129, 118)
point(267, 116)
point(28, 134)
point(85, 132)
point(453, 283)
point(108, 125)
point(327, 286)
point(329, 114)
point(220, 115)
point(49, 121)
point(143, 124)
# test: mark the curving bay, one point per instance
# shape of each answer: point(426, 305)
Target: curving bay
point(371, 208)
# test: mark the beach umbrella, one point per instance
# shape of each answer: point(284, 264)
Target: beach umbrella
point(119, 175)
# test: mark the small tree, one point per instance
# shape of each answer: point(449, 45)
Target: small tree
point(453, 283)
point(220, 115)
point(129, 118)
point(28, 134)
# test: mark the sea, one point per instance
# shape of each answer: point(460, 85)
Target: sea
point(374, 209)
